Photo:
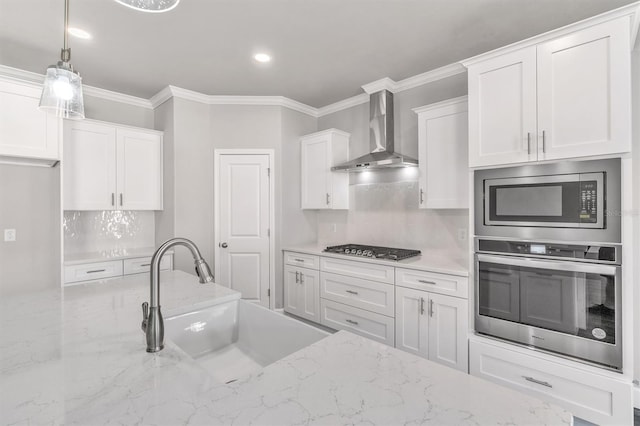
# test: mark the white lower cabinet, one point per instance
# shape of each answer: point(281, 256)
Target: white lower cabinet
point(591, 396)
point(301, 292)
point(82, 272)
point(368, 324)
point(364, 294)
point(433, 326)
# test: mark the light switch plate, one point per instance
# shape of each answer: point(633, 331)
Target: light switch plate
point(9, 235)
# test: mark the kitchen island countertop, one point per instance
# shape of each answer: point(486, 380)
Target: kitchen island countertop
point(77, 356)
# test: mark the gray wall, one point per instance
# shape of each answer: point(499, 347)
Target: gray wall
point(118, 112)
point(384, 208)
point(30, 205)
point(165, 219)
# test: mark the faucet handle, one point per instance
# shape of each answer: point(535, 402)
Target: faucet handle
point(145, 316)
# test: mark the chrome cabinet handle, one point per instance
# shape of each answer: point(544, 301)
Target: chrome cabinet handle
point(422, 306)
point(299, 260)
point(113, 199)
point(351, 292)
point(301, 278)
point(426, 282)
point(431, 307)
point(145, 264)
point(327, 198)
point(96, 271)
point(121, 199)
point(528, 143)
point(352, 322)
point(421, 195)
point(544, 141)
point(537, 382)
point(297, 279)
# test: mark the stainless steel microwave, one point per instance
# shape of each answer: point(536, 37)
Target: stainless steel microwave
point(567, 201)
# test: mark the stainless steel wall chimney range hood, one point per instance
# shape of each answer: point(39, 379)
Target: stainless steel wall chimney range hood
point(382, 155)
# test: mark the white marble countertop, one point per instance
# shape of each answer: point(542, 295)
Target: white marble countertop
point(437, 261)
point(78, 357)
point(106, 255)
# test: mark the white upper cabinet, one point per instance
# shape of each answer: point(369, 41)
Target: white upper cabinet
point(584, 93)
point(502, 109)
point(443, 141)
point(563, 98)
point(108, 167)
point(25, 131)
point(139, 169)
point(322, 188)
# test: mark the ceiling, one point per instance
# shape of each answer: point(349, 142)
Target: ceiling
point(323, 50)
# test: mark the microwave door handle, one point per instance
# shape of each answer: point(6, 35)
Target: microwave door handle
point(554, 265)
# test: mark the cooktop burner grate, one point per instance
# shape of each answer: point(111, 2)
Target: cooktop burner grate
point(376, 252)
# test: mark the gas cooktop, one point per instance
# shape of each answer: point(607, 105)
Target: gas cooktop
point(375, 252)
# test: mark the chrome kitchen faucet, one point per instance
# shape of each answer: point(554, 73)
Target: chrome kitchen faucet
point(152, 322)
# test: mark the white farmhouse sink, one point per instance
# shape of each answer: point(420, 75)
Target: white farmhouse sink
point(236, 338)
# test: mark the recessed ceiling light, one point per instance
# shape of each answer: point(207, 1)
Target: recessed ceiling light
point(262, 57)
point(80, 33)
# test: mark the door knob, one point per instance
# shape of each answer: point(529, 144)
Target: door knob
point(223, 245)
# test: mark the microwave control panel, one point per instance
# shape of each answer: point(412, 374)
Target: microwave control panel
point(588, 201)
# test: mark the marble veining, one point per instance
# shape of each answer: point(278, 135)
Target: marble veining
point(77, 357)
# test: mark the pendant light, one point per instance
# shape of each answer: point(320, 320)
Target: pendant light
point(150, 5)
point(62, 91)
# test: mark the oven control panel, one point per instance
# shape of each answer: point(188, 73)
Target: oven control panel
point(592, 253)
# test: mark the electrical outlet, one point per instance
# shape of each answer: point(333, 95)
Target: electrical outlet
point(462, 234)
point(334, 227)
point(9, 235)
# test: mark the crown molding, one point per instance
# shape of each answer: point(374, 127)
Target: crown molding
point(32, 78)
point(631, 10)
point(430, 76)
point(343, 104)
point(459, 102)
point(378, 85)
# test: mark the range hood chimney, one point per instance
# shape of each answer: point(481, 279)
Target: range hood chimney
point(381, 128)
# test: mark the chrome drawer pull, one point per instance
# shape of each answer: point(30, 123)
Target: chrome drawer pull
point(426, 282)
point(351, 292)
point(352, 322)
point(537, 382)
point(96, 271)
point(299, 260)
point(145, 264)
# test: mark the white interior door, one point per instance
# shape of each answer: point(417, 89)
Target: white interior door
point(243, 208)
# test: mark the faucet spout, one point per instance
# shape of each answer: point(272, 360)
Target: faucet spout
point(153, 324)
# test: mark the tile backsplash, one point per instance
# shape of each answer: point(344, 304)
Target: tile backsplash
point(107, 231)
point(387, 213)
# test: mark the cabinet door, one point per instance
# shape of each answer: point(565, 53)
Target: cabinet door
point(139, 165)
point(316, 173)
point(89, 166)
point(302, 292)
point(26, 131)
point(502, 109)
point(448, 331)
point(584, 92)
point(443, 141)
point(412, 321)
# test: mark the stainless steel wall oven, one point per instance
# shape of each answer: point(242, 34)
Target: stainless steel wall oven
point(548, 258)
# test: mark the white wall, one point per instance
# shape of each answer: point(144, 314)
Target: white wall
point(384, 208)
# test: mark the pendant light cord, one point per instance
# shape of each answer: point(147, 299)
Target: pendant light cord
point(65, 55)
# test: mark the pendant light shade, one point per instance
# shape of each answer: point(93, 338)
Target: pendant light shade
point(150, 5)
point(62, 92)
point(62, 89)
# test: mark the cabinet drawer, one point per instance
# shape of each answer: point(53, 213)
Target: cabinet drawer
point(140, 265)
point(368, 271)
point(590, 396)
point(304, 260)
point(342, 317)
point(430, 281)
point(370, 295)
point(92, 271)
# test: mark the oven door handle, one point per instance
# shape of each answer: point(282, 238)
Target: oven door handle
point(554, 265)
